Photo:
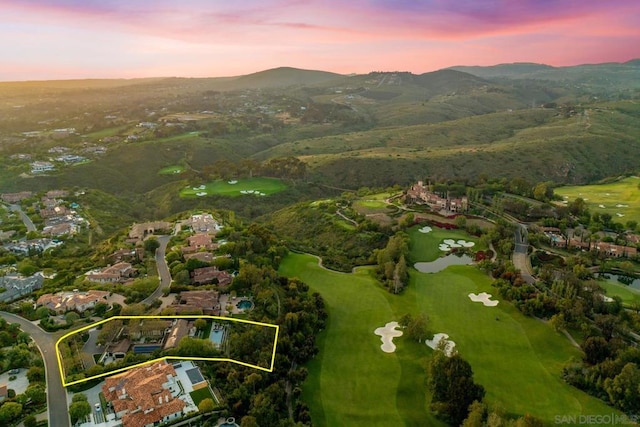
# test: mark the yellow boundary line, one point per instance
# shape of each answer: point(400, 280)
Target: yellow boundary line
point(209, 359)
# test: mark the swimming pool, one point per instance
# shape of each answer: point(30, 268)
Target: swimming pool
point(245, 304)
point(216, 336)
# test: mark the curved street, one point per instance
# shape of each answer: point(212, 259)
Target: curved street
point(163, 270)
point(25, 218)
point(58, 412)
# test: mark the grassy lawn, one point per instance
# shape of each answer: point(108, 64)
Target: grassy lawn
point(201, 394)
point(169, 170)
point(624, 192)
point(265, 186)
point(352, 382)
point(425, 245)
point(615, 288)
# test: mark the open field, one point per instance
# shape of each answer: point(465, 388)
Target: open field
point(353, 382)
point(233, 188)
point(620, 199)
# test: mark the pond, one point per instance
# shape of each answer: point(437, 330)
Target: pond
point(625, 280)
point(442, 263)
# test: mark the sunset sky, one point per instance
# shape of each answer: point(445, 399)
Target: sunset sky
point(63, 39)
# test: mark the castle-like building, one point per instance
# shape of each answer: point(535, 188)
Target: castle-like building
point(421, 194)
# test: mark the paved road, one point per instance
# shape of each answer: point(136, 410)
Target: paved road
point(163, 270)
point(25, 218)
point(520, 255)
point(56, 393)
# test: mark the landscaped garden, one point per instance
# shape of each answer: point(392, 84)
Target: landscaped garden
point(352, 381)
point(242, 187)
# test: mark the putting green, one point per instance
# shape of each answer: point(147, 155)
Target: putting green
point(620, 199)
point(243, 187)
point(353, 382)
point(424, 246)
point(170, 170)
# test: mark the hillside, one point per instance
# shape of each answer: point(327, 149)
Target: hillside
point(569, 125)
point(282, 77)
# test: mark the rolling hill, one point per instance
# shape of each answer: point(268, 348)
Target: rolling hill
point(569, 125)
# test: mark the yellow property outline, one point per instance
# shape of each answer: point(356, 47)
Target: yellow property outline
point(209, 359)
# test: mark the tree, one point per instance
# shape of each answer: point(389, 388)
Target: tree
point(36, 394)
point(206, 405)
point(30, 421)
point(558, 322)
point(151, 244)
point(596, 350)
point(624, 389)
point(79, 411)
point(42, 312)
point(417, 328)
point(540, 191)
point(100, 309)
point(200, 324)
point(9, 412)
point(249, 421)
point(452, 387)
point(79, 397)
point(477, 413)
point(71, 317)
point(35, 374)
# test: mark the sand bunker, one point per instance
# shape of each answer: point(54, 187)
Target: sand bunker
point(448, 244)
point(449, 346)
point(201, 193)
point(387, 334)
point(619, 214)
point(232, 182)
point(601, 206)
point(425, 229)
point(484, 298)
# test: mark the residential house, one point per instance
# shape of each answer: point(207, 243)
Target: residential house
point(56, 194)
point(145, 396)
point(200, 256)
point(140, 231)
point(4, 392)
point(119, 272)
point(18, 286)
point(202, 223)
point(206, 275)
point(615, 251)
point(16, 197)
point(62, 302)
point(39, 167)
point(208, 302)
point(179, 330)
point(125, 255)
point(199, 242)
point(149, 329)
point(59, 229)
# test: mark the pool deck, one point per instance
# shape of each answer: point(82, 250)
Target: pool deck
point(226, 299)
